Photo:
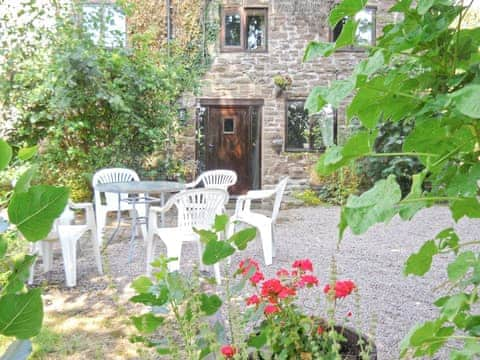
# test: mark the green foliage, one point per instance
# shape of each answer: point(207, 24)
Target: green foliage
point(309, 197)
point(90, 106)
point(336, 187)
point(424, 70)
point(33, 209)
point(390, 139)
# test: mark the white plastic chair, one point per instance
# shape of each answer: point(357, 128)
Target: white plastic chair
point(68, 234)
point(264, 224)
point(195, 208)
point(111, 203)
point(215, 179)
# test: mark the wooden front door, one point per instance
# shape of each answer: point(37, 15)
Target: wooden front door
point(227, 141)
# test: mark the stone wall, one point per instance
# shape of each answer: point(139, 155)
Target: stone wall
point(244, 75)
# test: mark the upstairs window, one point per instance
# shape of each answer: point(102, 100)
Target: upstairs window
point(306, 132)
point(106, 24)
point(365, 34)
point(244, 29)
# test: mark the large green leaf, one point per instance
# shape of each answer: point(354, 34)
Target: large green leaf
point(243, 237)
point(27, 153)
point(413, 203)
point(142, 284)
point(373, 206)
point(34, 211)
point(345, 8)
point(467, 100)
point(469, 207)
point(147, 323)
point(5, 154)
point(315, 49)
point(459, 267)
point(419, 263)
point(316, 99)
point(24, 182)
point(348, 35)
point(221, 222)
point(210, 304)
point(216, 251)
point(19, 274)
point(21, 315)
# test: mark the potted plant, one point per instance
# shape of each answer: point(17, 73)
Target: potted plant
point(196, 323)
point(281, 83)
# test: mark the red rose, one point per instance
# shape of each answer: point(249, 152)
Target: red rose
point(308, 280)
point(304, 265)
point(320, 330)
point(228, 351)
point(286, 292)
point(253, 300)
point(271, 309)
point(282, 272)
point(342, 288)
point(256, 278)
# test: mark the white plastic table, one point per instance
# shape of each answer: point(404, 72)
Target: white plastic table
point(137, 188)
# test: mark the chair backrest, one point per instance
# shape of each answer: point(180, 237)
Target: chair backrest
point(280, 189)
point(112, 175)
point(198, 207)
point(218, 179)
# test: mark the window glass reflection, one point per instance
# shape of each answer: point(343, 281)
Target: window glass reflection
point(255, 32)
point(232, 30)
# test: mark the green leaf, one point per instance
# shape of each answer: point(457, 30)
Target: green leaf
point(142, 284)
point(448, 238)
point(243, 237)
point(455, 304)
point(424, 5)
point(159, 298)
point(5, 154)
point(22, 314)
point(316, 99)
point(206, 235)
point(34, 212)
point(459, 267)
point(345, 8)
point(469, 207)
point(23, 183)
point(373, 206)
point(419, 263)
point(147, 323)
point(465, 184)
point(3, 246)
point(371, 65)
point(409, 208)
point(216, 251)
point(221, 222)
point(315, 49)
point(210, 304)
point(21, 270)
point(257, 340)
point(467, 100)
point(27, 153)
point(348, 35)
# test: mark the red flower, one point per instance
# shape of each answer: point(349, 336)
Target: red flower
point(271, 309)
point(286, 292)
point(308, 280)
point(245, 265)
point(320, 330)
point(256, 278)
point(253, 300)
point(228, 351)
point(282, 272)
point(304, 265)
point(342, 288)
point(349, 314)
point(271, 288)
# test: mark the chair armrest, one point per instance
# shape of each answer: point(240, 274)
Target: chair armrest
point(257, 194)
point(80, 206)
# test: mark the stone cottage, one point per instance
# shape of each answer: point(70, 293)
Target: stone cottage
point(250, 116)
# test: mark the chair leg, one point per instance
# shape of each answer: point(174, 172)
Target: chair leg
point(46, 248)
point(266, 236)
point(69, 248)
point(274, 242)
point(96, 251)
point(200, 255)
point(218, 275)
point(150, 246)
point(33, 251)
point(101, 217)
point(174, 250)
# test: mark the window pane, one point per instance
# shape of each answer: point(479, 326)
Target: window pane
point(309, 132)
point(232, 30)
point(365, 31)
point(255, 32)
point(228, 126)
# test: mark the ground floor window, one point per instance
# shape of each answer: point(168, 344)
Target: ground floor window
point(306, 132)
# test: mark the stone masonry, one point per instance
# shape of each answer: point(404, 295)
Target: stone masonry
point(247, 75)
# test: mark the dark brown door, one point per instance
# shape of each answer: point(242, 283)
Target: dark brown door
point(227, 141)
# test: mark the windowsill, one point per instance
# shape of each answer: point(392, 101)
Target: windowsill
point(353, 50)
point(317, 151)
point(243, 51)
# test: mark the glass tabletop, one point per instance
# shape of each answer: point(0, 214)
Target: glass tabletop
point(133, 187)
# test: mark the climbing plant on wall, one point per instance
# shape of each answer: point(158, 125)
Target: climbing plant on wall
point(424, 69)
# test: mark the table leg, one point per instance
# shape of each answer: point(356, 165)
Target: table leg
point(118, 223)
point(162, 197)
point(134, 229)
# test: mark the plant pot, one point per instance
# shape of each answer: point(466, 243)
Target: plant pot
point(349, 350)
point(278, 91)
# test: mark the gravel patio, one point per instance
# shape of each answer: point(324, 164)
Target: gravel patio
point(390, 304)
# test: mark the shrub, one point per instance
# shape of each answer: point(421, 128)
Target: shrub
point(335, 188)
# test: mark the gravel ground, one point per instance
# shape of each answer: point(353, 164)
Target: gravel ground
point(389, 302)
